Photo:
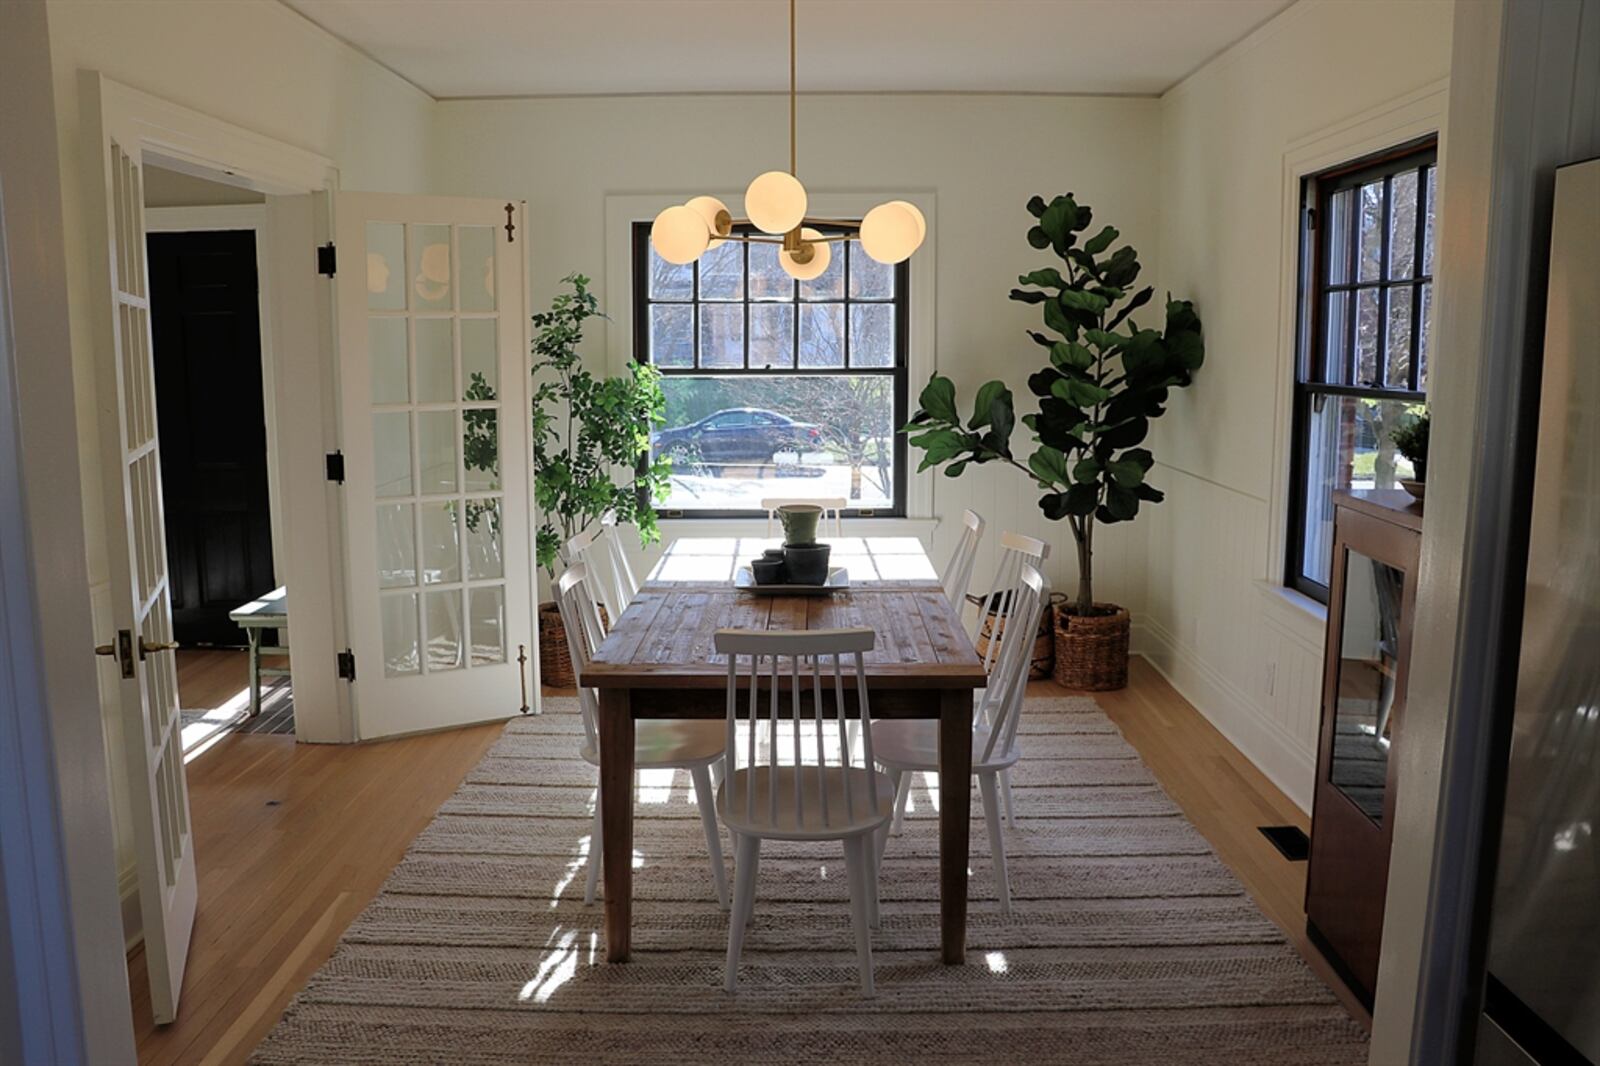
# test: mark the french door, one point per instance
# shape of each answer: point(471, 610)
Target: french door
point(434, 431)
point(140, 596)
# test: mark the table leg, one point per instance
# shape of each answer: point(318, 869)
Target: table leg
point(616, 817)
point(955, 811)
point(253, 635)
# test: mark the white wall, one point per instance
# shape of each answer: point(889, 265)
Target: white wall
point(1249, 658)
point(254, 63)
point(980, 157)
point(59, 925)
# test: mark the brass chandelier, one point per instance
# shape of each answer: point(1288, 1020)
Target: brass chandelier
point(776, 205)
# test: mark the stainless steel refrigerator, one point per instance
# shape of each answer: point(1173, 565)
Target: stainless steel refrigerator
point(1542, 996)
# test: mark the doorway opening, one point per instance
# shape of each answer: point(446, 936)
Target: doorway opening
point(213, 364)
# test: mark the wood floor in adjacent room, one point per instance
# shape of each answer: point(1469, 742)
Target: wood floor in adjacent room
point(294, 840)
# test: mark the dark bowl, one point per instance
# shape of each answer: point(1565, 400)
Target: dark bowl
point(767, 571)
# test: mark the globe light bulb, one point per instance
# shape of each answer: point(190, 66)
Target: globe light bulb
point(679, 235)
point(916, 213)
point(821, 254)
point(891, 232)
point(775, 202)
point(719, 223)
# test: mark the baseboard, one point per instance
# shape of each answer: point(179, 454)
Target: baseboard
point(1237, 717)
point(132, 919)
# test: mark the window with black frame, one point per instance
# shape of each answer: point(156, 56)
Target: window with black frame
point(1366, 270)
point(775, 387)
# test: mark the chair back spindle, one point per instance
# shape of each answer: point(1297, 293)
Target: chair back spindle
point(958, 572)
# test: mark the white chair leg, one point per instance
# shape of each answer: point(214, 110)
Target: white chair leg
point(717, 769)
point(997, 843)
point(1005, 794)
point(870, 851)
point(594, 854)
point(902, 793)
point(857, 864)
point(708, 818)
point(744, 898)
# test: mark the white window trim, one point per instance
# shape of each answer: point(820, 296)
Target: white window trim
point(623, 210)
point(1414, 115)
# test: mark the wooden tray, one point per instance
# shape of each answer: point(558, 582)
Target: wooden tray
point(838, 581)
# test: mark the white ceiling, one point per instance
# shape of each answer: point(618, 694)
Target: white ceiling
point(453, 48)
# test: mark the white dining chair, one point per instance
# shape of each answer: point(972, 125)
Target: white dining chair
point(958, 572)
point(600, 551)
point(1016, 551)
point(831, 505)
point(839, 796)
point(908, 746)
point(659, 744)
point(622, 570)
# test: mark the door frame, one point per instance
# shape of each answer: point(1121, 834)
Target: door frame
point(217, 218)
point(303, 415)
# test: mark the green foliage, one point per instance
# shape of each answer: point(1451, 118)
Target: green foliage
point(591, 435)
point(1105, 379)
point(1411, 437)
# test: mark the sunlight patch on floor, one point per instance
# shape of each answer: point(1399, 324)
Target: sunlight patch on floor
point(200, 734)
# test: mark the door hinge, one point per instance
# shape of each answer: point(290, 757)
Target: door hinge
point(511, 229)
point(327, 260)
point(347, 665)
point(336, 467)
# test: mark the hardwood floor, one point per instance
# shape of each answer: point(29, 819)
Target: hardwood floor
point(294, 840)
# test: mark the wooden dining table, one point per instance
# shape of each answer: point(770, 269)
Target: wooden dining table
point(658, 662)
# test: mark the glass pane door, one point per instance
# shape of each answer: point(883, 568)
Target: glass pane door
point(440, 544)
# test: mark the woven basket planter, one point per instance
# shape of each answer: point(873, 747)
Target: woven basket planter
point(555, 661)
point(1043, 657)
point(1092, 652)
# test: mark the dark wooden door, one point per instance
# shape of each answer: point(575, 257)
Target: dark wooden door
point(205, 320)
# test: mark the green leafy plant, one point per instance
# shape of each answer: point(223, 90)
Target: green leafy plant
point(1411, 438)
point(591, 435)
point(1105, 379)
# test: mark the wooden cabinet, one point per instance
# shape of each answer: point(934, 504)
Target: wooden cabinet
point(1372, 597)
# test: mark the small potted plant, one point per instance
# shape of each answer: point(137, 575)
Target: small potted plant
point(1104, 380)
point(1411, 439)
point(591, 442)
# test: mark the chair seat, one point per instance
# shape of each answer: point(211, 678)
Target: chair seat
point(913, 744)
point(659, 743)
point(804, 822)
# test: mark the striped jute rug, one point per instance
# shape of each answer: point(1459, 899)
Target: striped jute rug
point(1129, 941)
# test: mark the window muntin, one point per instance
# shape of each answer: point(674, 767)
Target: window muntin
point(776, 387)
point(1362, 363)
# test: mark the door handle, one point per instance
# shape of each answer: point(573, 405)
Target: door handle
point(160, 645)
point(122, 651)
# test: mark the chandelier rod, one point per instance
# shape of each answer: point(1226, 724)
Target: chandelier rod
point(792, 154)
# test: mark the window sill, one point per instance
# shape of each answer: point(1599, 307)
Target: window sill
point(1295, 613)
point(672, 528)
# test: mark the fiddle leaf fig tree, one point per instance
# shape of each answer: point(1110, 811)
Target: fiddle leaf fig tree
point(1105, 377)
point(590, 433)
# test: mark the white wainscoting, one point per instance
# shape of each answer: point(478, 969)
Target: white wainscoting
point(1243, 661)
